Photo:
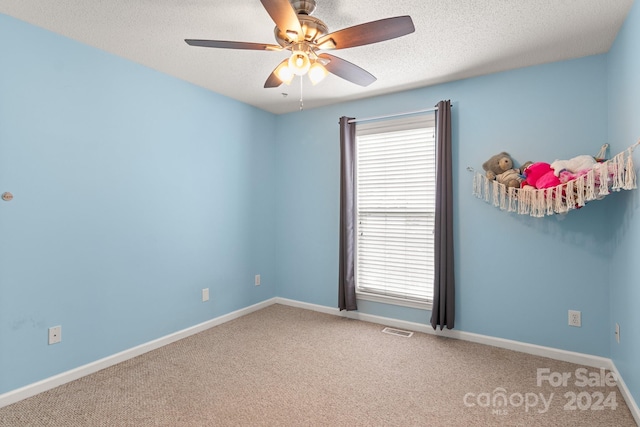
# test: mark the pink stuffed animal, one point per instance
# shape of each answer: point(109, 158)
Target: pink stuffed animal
point(566, 176)
point(540, 175)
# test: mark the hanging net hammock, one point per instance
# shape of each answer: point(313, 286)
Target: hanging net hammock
point(615, 174)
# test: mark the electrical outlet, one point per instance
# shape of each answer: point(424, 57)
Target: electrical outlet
point(55, 334)
point(575, 318)
point(257, 280)
point(617, 333)
point(205, 294)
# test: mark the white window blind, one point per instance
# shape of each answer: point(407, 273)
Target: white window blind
point(396, 176)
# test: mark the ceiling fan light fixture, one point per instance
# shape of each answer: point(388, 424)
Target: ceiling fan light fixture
point(284, 73)
point(299, 62)
point(317, 73)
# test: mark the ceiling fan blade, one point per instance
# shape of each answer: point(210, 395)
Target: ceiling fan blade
point(347, 70)
point(273, 80)
point(222, 44)
point(367, 33)
point(284, 16)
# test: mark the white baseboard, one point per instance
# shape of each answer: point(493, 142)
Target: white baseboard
point(90, 368)
point(536, 350)
point(628, 398)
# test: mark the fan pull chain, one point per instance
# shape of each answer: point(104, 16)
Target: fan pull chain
point(301, 103)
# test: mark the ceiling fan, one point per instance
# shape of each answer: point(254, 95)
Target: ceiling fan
point(306, 36)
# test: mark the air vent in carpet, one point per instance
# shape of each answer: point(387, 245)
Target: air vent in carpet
point(397, 332)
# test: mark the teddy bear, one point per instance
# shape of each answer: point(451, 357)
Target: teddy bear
point(500, 167)
point(574, 165)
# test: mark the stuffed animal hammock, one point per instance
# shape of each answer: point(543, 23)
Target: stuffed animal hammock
point(615, 174)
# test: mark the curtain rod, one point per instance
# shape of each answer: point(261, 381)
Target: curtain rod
point(388, 116)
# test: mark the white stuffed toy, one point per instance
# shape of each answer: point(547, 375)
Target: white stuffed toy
point(574, 165)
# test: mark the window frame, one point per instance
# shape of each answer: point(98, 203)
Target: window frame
point(398, 124)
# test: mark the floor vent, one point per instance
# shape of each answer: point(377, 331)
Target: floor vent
point(397, 332)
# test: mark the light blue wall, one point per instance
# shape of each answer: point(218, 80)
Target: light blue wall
point(133, 191)
point(624, 130)
point(516, 276)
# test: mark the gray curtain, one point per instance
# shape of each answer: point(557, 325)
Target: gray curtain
point(443, 312)
point(346, 273)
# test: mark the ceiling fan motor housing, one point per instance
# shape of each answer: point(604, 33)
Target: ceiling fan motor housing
point(312, 27)
point(305, 7)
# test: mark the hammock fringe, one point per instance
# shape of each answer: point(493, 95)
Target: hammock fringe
point(615, 174)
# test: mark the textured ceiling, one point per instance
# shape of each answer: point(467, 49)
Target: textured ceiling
point(453, 40)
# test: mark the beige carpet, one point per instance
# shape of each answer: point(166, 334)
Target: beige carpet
point(284, 366)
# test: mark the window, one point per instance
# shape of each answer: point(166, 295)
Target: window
point(395, 205)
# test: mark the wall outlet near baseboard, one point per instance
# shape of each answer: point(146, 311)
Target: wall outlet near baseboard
point(55, 334)
point(205, 294)
point(617, 333)
point(575, 318)
point(257, 280)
